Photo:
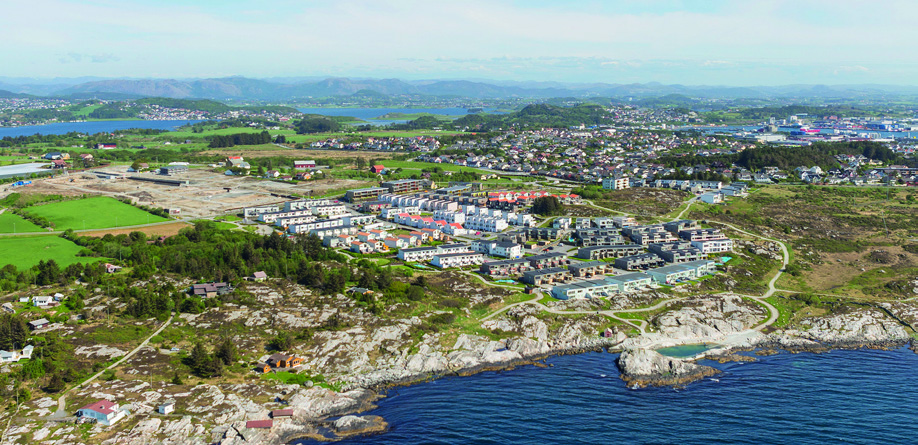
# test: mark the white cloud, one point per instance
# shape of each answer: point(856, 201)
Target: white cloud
point(404, 37)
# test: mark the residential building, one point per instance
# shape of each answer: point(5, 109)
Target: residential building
point(713, 245)
point(585, 289)
point(712, 198)
point(42, 301)
point(404, 185)
point(685, 271)
point(364, 194)
point(603, 252)
point(588, 269)
point(616, 183)
point(41, 323)
point(102, 411)
point(701, 234)
point(680, 225)
point(642, 261)
point(448, 260)
point(418, 254)
point(498, 248)
point(631, 282)
point(546, 276)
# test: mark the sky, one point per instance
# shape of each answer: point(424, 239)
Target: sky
point(707, 42)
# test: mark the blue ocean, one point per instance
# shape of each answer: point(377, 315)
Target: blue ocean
point(91, 127)
point(852, 397)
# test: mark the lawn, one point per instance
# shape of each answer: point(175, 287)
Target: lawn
point(25, 252)
point(93, 213)
point(13, 223)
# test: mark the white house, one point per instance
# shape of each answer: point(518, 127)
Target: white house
point(42, 301)
point(103, 411)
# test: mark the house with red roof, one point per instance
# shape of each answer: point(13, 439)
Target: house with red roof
point(102, 411)
point(378, 169)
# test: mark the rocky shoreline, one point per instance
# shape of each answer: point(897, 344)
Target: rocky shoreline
point(326, 415)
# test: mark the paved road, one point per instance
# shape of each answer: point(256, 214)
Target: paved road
point(62, 401)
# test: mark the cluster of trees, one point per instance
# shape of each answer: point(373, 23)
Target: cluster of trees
point(821, 154)
point(547, 206)
point(316, 124)
point(240, 139)
point(114, 110)
point(537, 115)
point(13, 332)
point(204, 363)
point(421, 123)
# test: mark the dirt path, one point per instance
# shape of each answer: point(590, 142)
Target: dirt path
point(62, 401)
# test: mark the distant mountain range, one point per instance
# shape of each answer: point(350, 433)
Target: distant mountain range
point(284, 89)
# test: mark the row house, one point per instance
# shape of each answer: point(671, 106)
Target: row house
point(486, 224)
point(701, 234)
point(641, 261)
point(611, 251)
point(585, 289)
point(515, 266)
point(374, 206)
point(498, 248)
point(713, 245)
point(631, 282)
point(272, 217)
point(685, 271)
point(358, 220)
point(368, 246)
point(680, 225)
point(253, 212)
point(338, 241)
point(287, 222)
point(418, 254)
point(546, 276)
point(330, 210)
point(589, 268)
point(449, 216)
point(318, 224)
point(334, 231)
point(305, 204)
point(463, 259)
point(389, 213)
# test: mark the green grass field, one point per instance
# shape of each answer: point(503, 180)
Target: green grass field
point(25, 252)
point(13, 223)
point(93, 213)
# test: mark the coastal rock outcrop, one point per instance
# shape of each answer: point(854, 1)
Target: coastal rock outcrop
point(646, 367)
point(353, 425)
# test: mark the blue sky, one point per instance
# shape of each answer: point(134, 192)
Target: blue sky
point(711, 42)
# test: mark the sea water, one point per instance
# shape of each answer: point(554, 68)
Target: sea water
point(854, 397)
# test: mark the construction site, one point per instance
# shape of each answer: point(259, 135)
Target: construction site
point(195, 193)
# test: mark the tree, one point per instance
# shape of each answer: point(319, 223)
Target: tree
point(547, 206)
point(282, 341)
point(56, 384)
point(226, 351)
point(199, 360)
point(176, 380)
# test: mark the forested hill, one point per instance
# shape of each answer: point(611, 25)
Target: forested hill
point(821, 154)
point(537, 115)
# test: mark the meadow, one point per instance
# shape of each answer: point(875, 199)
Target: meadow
point(13, 223)
point(25, 252)
point(92, 213)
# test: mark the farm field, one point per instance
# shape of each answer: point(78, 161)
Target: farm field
point(25, 252)
point(92, 213)
point(13, 223)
